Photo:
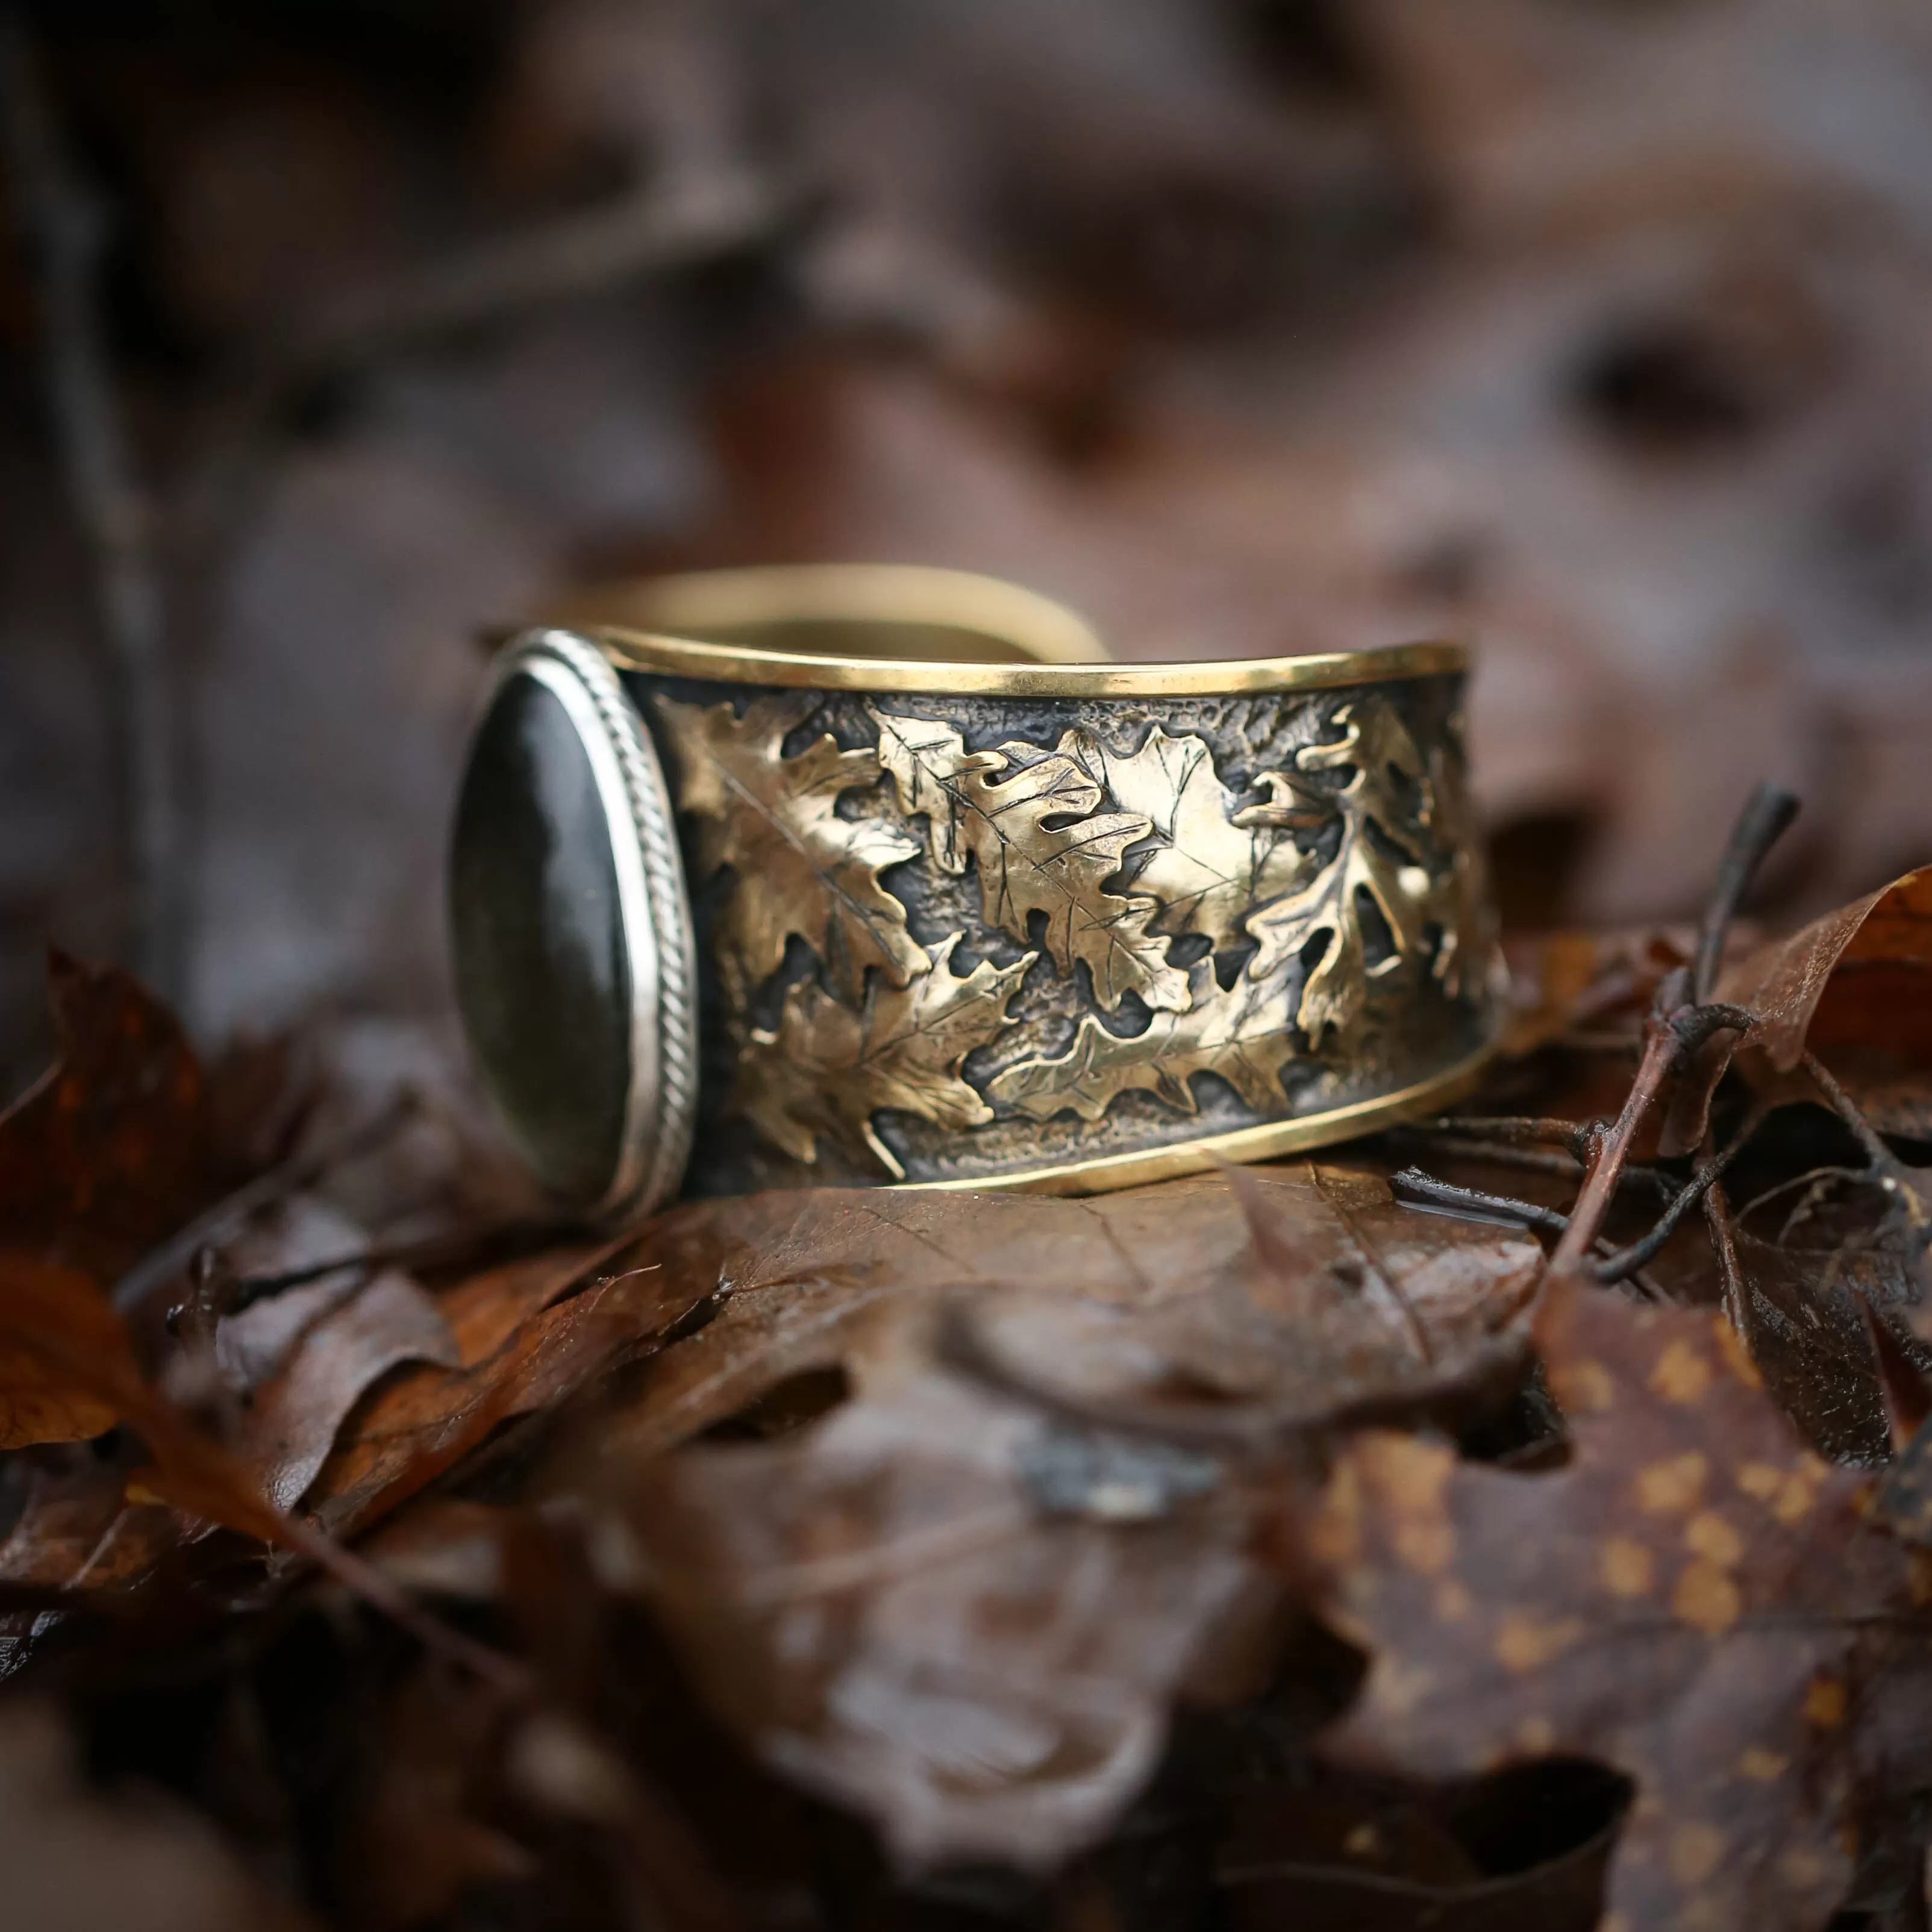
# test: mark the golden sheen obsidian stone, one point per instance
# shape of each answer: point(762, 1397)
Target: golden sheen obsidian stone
point(542, 974)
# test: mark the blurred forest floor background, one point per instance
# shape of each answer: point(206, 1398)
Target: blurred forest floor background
point(1596, 329)
point(1045, 1546)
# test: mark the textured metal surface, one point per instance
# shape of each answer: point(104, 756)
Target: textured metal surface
point(953, 937)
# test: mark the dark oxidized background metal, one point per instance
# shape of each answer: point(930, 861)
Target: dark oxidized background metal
point(1239, 910)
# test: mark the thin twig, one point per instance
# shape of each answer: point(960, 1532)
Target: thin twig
point(432, 1251)
point(1518, 1130)
point(1458, 1147)
point(1766, 817)
point(643, 233)
point(1535, 1160)
point(1661, 1051)
point(1684, 1019)
point(1811, 1176)
point(1886, 1170)
point(1724, 1246)
point(64, 228)
point(1413, 1185)
point(1639, 1254)
point(163, 1263)
point(1433, 1196)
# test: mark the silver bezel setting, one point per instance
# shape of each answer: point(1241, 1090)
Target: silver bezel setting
point(654, 911)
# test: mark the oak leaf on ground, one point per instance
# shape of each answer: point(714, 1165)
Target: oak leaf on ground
point(1687, 1600)
point(959, 1498)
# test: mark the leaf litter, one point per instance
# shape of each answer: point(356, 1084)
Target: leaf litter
point(1358, 1539)
point(519, 1439)
point(1263, 1527)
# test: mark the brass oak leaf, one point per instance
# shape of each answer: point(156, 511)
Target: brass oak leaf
point(828, 1068)
point(1376, 744)
point(1209, 867)
point(1247, 1033)
point(800, 867)
point(1460, 902)
point(1039, 846)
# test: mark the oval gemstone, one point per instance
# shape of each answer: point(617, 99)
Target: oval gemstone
point(542, 974)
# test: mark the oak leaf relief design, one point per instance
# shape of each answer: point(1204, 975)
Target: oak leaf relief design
point(1247, 1033)
point(1246, 1036)
point(1212, 863)
point(1029, 820)
point(1385, 871)
point(1120, 853)
point(830, 1067)
point(801, 867)
point(1460, 901)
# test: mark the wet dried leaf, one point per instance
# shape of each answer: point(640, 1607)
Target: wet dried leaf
point(60, 1320)
point(302, 1358)
point(1340, 1302)
point(528, 1336)
point(1154, 1301)
point(1686, 1600)
point(38, 1405)
point(892, 1612)
point(106, 1153)
point(292, 1422)
point(965, 1527)
point(1853, 987)
point(76, 1530)
point(1805, 1318)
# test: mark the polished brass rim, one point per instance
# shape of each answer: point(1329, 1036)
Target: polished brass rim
point(735, 663)
point(1265, 1142)
point(637, 625)
point(1005, 620)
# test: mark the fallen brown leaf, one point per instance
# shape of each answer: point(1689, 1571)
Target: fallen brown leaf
point(106, 1153)
point(964, 1601)
point(1156, 1301)
point(60, 1321)
point(929, 1606)
point(528, 1335)
point(1686, 1600)
point(1853, 988)
point(75, 1529)
point(303, 1358)
point(1805, 1317)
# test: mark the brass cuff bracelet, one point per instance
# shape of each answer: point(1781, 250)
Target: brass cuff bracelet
point(854, 874)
